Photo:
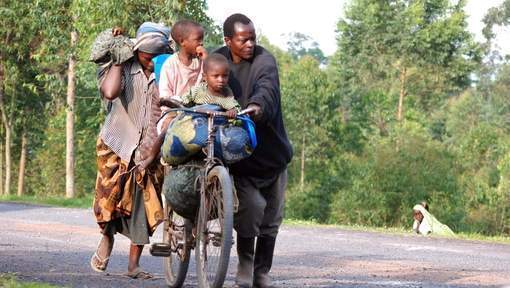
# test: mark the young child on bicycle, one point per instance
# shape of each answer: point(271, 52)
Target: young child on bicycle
point(214, 87)
point(186, 135)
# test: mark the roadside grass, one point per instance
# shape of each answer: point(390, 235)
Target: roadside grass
point(10, 281)
point(399, 231)
point(81, 202)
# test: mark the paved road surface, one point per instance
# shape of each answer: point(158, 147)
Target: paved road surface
point(54, 245)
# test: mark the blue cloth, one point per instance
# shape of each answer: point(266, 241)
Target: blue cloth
point(249, 126)
point(158, 64)
point(187, 135)
point(231, 144)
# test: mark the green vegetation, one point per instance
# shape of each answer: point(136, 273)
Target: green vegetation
point(9, 281)
point(79, 202)
point(409, 108)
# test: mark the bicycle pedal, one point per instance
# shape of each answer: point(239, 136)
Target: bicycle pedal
point(160, 250)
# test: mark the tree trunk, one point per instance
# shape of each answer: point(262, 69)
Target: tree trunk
point(71, 91)
point(7, 181)
point(7, 127)
point(345, 115)
point(400, 111)
point(302, 178)
point(1, 130)
point(22, 163)
point(381, 125)
point(1, 164)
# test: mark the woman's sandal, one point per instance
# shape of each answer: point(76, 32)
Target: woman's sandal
point(138, 273)
point(97, 264)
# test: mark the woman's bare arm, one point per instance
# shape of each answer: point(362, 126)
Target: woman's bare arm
point(110, 88)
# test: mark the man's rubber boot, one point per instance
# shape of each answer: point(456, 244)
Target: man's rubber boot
point(245, 252)
point(263, 261)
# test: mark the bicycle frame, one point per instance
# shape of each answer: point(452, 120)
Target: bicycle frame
point(211, 166)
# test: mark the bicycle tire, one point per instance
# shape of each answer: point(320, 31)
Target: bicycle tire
point(176, 265)
point(214, 229)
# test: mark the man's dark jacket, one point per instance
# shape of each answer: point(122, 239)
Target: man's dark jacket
point(273, 151)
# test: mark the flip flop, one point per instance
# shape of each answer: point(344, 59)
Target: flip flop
point(138, 273)
point(97, 264)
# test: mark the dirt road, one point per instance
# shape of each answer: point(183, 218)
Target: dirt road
point(54, 245)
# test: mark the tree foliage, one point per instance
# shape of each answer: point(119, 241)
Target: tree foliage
point(366, 164)
point(34, 49)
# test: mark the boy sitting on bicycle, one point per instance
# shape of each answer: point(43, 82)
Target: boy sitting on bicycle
point(215, 89)
point(212, 90)
point(186, 136)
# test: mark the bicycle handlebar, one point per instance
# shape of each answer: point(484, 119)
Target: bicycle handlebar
point(216, 113)
point(175, 105)
point(212, 113)
point(246, 111)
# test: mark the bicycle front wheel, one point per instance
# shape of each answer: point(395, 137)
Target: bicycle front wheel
point(176, 234)
point(214, 235)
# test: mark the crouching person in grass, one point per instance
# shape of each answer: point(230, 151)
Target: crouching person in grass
point(425, 223)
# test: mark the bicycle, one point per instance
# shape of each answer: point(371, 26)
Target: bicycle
point(211, 232)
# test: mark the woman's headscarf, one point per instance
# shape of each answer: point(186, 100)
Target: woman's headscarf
point(153, 38)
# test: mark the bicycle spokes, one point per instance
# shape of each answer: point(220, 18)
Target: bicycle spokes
point(178, 241)
point(215, 224)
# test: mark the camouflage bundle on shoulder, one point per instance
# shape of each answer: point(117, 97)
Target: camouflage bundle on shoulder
point(111, 47)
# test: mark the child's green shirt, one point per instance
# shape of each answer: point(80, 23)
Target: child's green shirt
point(198, 94)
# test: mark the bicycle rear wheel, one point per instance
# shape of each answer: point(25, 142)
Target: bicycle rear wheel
point(214, 235)
point(176, 233)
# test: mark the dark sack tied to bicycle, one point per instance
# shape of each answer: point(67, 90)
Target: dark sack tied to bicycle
point(184, 140)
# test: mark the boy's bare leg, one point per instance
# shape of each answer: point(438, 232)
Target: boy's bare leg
point(135, 251)
point(134, 271)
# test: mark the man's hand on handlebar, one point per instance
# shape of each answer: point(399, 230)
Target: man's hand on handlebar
point(254, 111)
